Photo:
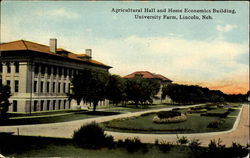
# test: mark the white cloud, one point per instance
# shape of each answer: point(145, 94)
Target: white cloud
point(225, 28)
point(177, 58)
point(59, 12)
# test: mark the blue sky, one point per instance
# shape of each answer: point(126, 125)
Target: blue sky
point(211, 53)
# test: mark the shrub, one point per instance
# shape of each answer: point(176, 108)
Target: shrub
point(216, 149)
point(194, 145)
point(216, 123)
point(133, 145)
point(237, 150)
point(156, 141)
point(168, 114)
point(175, 119)
point(165, 146)
point(109, 141)
point(183, 140)
point(120, 143)
point(221, 115)
point(91, 136)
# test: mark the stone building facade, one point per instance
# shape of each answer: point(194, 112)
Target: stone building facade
point(148, 75)
point(39, 75)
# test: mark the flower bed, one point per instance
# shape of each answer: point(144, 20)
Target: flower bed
point(175, 119)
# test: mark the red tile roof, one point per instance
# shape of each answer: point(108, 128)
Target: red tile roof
point(147, 74)
point(27, 45)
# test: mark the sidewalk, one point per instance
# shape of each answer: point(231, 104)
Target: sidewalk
point(238, 134)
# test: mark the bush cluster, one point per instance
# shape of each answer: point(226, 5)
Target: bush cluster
point(175, 119)
point(221, 115)
point(216, 123)
point(182, 141)
point(194, 145)
point(92, 136)
point(164, 146)
point(216, 149)
point(168, 114)
point(133, 145)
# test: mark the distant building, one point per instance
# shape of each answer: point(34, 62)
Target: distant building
point(39, 75)
point(148, 75)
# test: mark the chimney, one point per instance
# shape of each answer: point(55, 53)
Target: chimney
point(88, 52)
point(52, 45)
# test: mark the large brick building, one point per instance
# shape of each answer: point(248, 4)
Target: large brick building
point(148, 75)
point(39, 75)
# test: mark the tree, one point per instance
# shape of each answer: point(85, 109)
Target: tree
point(141, 90)
point(90, 86)
point(191, 94)
point(4, 99)
point(116, 89)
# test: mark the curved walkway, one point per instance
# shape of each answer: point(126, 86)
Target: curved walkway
point(239, 134)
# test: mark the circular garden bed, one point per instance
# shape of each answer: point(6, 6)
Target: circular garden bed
point(169, 117)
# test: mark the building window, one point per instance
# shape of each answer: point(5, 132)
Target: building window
point(68, 87)
point(48, 102)
point(64, 87)
point(35, 106)
point(53, 87)
point(16, 67)
point(14, 106)
point(41, 105)
point(48, 87)
point(35, 85)
point(41, 86)
point(16, 85)
point(8, 67)
point(8, 82)
point(54, 104)
point(64, 104)
point(59, 104)
point(59, 86)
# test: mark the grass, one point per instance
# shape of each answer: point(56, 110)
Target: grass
point(194, 124)
point(56, 118)
point(133, 108)
point(71, 115)
point(218, 110)
point(27, 146)
point(44, 113)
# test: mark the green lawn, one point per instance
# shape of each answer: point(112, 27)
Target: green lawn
point(55, 118)
point(144, 124)
point(134, 108)
point(70, 115)
point(44, 113)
